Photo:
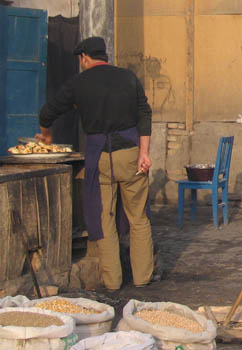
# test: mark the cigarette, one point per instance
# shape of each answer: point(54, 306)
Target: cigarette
point(138, 172)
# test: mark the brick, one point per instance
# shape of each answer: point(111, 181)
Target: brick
point(172, 138)
point(178, 132)
point(172, 125)
point(171, 152)
point(173, 145)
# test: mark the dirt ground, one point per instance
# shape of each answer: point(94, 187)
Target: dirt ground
point(200, 265)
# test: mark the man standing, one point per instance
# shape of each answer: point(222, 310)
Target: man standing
point(116, 119)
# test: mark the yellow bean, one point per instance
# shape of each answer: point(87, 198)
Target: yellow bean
point(168, 319)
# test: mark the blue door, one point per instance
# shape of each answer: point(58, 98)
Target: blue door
point(23, 50)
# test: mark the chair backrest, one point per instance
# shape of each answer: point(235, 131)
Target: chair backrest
point(222, 165)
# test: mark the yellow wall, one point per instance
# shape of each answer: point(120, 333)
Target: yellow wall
point(151, 39)
point(187, 53)
point(218, 6)
point(218, 67)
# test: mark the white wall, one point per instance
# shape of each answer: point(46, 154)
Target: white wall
point(66, 8)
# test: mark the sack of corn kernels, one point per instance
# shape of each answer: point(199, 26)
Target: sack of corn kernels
point(9, 301)
point(32, 328)
point(92, 318)
point(172, 325)
point(118, 341)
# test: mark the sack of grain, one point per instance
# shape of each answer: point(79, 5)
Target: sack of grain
point(171, 324)
point(118, 341)
point(92, 318)
point(32, 328)
point(9, 301)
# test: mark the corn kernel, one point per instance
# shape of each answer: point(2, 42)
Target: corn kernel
point(65, 306)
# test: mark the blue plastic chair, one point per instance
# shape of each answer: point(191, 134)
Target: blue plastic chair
point(220, 180)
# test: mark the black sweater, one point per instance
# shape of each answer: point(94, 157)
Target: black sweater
point(108, 99)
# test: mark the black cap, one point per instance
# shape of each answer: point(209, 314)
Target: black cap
point(91, 46)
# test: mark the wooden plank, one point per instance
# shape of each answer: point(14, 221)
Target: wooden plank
point(17, 172)
point(16, 251)
point(78, 171)
point(65, 247)
point(4, 230)
point(53, 182)
point(77, 198)
point(44, 204)
point(43, 215)
point(29, 211)
point(17, 221)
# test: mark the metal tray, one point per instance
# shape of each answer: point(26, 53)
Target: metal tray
point(41, 155)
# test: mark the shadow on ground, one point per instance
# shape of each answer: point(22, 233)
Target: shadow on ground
point(200, 265)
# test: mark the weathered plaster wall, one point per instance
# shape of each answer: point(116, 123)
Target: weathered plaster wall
point(65, 8)
point(144, 33)
point(217, 66)
point(188, 55)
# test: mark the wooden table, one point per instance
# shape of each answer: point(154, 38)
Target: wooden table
point(42, 196)
point(73, 157)
point(76, 160)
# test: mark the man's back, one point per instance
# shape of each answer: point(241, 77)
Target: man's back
point(108, 99)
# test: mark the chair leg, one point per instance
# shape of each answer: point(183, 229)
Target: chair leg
point(215, 207)
point(193, 203)
point(225, 204)
point(180, 204)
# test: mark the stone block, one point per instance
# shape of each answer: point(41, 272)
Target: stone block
point(10, 290)
point(90, 273)
point(75, 282)
point(86, 274)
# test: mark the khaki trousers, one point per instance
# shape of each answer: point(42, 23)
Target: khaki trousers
point(134, 192)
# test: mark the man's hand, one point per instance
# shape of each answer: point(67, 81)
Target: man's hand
point(144, 162)
point(45, 136)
